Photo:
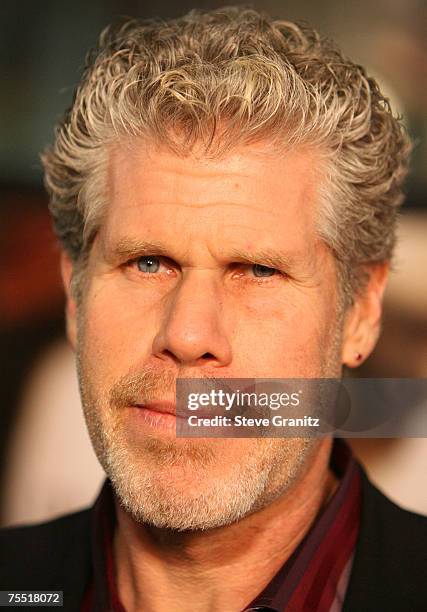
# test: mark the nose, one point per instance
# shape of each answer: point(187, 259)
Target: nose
point(192, 328)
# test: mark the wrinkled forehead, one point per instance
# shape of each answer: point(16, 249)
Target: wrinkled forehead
point(252, 196)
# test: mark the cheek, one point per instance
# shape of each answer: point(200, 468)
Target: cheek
point(117, 333)
point(284, 338)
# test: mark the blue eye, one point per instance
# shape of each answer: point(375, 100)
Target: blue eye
point(261, 271)
point(148, 264)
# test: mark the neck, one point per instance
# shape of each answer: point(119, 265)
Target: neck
point(220, 569)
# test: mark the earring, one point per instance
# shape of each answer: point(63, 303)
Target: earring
point(358, 356)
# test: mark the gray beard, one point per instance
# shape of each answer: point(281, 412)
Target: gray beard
point(144, 477)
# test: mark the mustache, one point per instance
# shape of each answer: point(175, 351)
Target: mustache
point(150, 384)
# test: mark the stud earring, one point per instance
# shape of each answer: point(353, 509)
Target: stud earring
point(358, 356)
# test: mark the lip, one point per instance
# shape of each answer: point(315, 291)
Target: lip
point(162, 414)
point(157, 415)
point(160, 406)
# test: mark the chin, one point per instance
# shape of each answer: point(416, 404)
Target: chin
point(191, 487)
point(173, 501)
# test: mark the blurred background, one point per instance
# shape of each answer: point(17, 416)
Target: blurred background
point(47, 464)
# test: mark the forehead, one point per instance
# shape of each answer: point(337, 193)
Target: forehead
point(252, 195)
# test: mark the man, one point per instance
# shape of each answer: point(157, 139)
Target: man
point(225, 189)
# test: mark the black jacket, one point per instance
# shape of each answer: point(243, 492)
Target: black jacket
point(389, 571)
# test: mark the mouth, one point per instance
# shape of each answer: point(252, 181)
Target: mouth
point(161, 415)
point(158, 416)
point(159, 406)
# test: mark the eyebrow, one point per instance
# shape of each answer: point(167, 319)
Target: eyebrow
point(129, 248)
point(269, 258)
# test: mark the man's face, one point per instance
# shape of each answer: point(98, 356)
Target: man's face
point(202, 269)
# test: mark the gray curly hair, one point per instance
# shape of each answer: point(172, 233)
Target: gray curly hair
point(231, 77)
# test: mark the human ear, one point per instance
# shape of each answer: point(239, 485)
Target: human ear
point(362, 323)
point(70, 307)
